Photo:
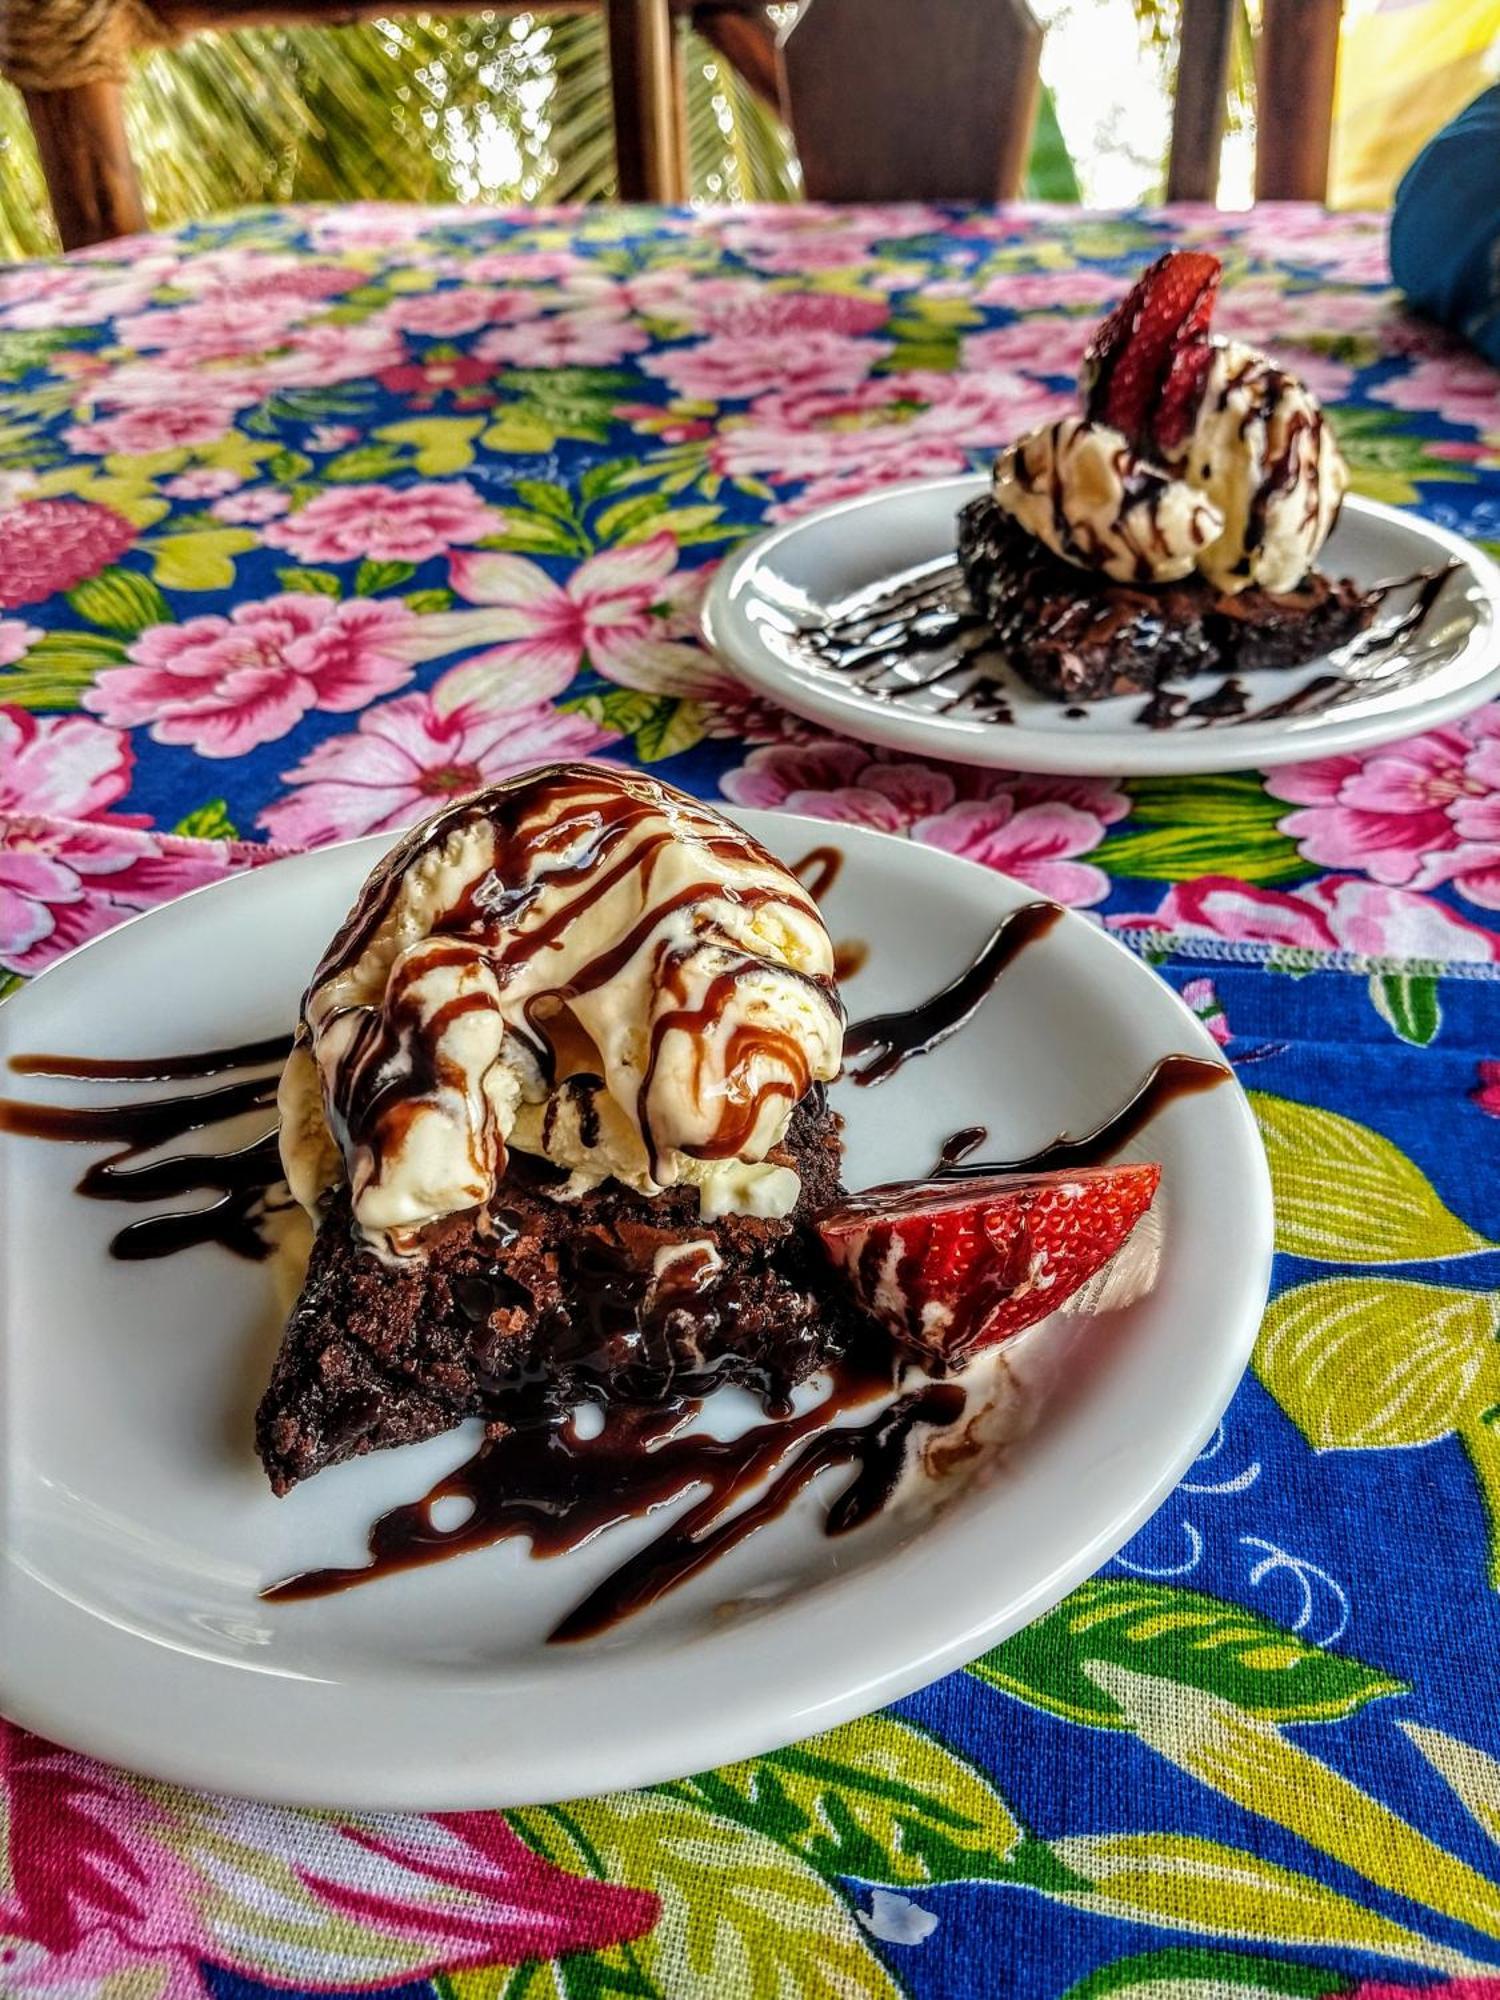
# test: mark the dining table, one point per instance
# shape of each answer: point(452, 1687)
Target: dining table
point(314, 517)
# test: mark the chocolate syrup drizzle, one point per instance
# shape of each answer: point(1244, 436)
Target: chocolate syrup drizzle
point(242, 1177)
point(1175, 1076)
point(541, 1479)
point(890, 1040)
point(918, 634)
point(818, 870)
point(611, 826)
point(559, 1489)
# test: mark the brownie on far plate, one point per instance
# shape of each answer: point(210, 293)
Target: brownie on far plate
point(537, 1302)
point(1075, 634)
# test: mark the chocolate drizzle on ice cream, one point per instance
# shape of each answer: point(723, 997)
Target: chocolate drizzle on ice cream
point(582, 964)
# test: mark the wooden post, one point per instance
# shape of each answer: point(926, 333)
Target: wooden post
point(642, 61)
point(1199, 105)
point(1296, 66)
point(80, 137)
point(746, 37)
point(892, 101)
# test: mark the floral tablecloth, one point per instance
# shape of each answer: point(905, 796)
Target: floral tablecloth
point(309, 519)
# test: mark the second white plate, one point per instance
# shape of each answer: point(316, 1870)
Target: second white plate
point(771, 593)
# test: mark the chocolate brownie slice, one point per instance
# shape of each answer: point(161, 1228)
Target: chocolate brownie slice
point(536, 1303)
point(1077, 635)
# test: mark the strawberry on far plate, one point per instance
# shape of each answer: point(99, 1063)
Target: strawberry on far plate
point(952, 1267)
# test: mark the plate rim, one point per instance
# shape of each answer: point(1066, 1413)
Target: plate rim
point(196, 1684)
point(1058, 752)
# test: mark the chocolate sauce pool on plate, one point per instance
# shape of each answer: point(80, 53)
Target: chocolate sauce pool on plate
point(240, 1177)
point(559, 1490)
point(894, 642)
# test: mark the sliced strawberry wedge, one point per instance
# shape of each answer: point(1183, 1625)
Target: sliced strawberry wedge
point(949, 1267)
point(1144, 367)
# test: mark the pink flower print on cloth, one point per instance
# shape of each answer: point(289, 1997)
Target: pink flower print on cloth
point(385, 523)
point(220, 327)
point(69, 867)
point(616, 612)
point(16, 640)
point(1340, 913)
point(590, 337)
point(112, 1886)
point(1033, 828)
point(464, 309)
point(893, 426)
point(185, 419)
point(406, 757)
point(223, 685)
point(733, 367)
point(1414, 815)
point(49, 545)
point(74, 294)
point(1040, 291)
point(1460, 386)
point(255, 503)
point(1202, 996)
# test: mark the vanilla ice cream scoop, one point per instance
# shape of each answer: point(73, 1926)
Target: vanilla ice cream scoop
point(1262, 454)
point(581, 963)
point(1081, 488)
point(1249, 496)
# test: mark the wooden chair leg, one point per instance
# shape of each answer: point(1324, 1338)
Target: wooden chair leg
point(643, 60)
point(1296, 66)
point(80, 136)
point(1207, 27)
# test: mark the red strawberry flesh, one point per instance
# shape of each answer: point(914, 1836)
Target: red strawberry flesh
point(1143, 371)
point(950, 1267)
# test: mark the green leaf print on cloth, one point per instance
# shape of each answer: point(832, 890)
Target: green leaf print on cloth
point(1376, 1362)
point(740, 1913)
point(1184, 1636)
point(1190, 1886)
point(1345, 1193)
point(881, 1800)
point(1184, 828)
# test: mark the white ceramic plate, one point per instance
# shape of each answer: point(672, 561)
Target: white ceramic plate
point(775, 588)
point(137, 1528)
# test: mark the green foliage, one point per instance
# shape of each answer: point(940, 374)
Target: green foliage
point(372, 576)
point(481, 108)
point(121, 601)
point(58, 668)
point(208, 822)
point(323, 581)
point(741, 1913)
point(1345, 1193)
point(1191, 1973)
point(1409, 1004)
point(1182, 1636)
point(1184, 828)
point(1050, 173)
point(879, 1800)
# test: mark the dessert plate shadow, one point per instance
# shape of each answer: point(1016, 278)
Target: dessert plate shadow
point(1427, 659)
point(137, 1530)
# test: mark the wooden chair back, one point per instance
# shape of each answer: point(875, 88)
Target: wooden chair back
point(935, 99)
point(887, 99)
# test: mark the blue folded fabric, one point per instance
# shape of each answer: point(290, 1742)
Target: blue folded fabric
point(1445, 227)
